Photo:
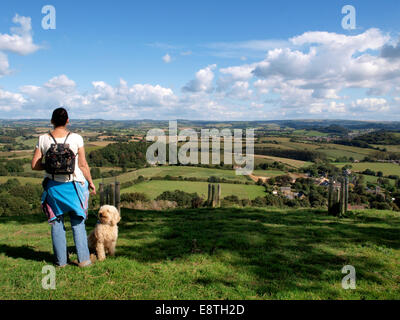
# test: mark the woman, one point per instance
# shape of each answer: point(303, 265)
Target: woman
point(65, 193)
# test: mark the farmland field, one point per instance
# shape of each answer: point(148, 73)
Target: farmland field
point(176, 171)
point(155, 187)
point(290, 162)
point(22, 180)
point(386, 168)
point(268, 173)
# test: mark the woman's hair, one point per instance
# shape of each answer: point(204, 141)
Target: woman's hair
point(59, 117)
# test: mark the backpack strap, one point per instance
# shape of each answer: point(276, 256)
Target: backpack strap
point(55, 141)
point(67, 137)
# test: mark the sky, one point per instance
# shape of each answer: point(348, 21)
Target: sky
point(201, 60)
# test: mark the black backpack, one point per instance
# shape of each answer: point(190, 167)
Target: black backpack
point(59, 159)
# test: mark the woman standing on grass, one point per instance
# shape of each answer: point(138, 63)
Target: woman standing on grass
point(65, 193)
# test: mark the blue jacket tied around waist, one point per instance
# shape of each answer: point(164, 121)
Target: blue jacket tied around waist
point(63, 197)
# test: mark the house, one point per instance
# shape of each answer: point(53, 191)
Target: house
point(287, 192)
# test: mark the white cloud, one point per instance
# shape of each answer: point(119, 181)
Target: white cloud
point(4, 65)
point(103, 100)
point(20, 41)
point(203, 81)
point(370, 105)
point(10, 101)
point(61, 81)
point(240, 90)
point(166, 58)
point(315, 74)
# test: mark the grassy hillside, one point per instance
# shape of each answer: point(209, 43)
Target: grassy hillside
point(213, 254)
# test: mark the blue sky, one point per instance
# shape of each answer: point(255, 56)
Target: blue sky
point(222, 60)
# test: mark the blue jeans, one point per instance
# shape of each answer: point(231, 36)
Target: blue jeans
point(60, 242)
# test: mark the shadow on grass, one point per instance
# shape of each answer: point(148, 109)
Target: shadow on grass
point(280, 249)
point(26, 252)
point(24, 219)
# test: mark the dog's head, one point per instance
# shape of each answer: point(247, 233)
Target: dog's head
point(109, 215)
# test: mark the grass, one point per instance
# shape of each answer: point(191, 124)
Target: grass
point(310, 133)
point(214, 254)
point(374, 180)
point(155, 187)
point(331, 150)
point(22, 180)
point(268, 173)
point(176, 171)
point(258, 159)
point(386, 168)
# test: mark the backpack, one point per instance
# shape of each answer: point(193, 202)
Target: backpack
point(59, 159)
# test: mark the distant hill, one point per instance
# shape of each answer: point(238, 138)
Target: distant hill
point(320, 125)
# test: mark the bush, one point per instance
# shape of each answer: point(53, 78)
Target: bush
point(183, 199)
point(259, 202)
point(197, 202)
point(13, 206)
point(157, 205)
point(9, 184)
point(133, 197)
point(29, 192)
point(380, 205)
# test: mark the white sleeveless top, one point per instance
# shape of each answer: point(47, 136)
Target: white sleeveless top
point(75, 142)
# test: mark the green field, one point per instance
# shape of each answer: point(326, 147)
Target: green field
point(22, 180)
point(386, 168)
point(176, 171)
point(331, 150)
point(310, 133)
point(239, 254)
point(268, 173)
point(155, 187)
point(258, 159)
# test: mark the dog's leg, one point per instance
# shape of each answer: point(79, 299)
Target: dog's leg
point(91, 241)
point(101, 254)
point(111, 248)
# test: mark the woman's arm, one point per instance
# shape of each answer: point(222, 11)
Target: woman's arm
point(37, 160)
point(83, 165)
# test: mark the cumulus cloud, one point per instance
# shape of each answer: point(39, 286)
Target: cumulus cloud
point(20, 41)
point(370, 105)
point(103, 99)
point(10, 101)
point(391, 51)
point(320, 65)
point(315, 74)
point(203, 81)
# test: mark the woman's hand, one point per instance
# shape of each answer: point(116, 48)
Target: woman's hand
point(92, 188)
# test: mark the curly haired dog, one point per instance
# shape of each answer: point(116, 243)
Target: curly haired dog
point(103, 238)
